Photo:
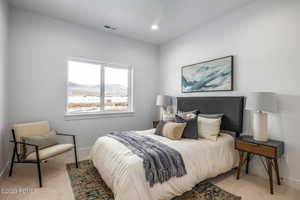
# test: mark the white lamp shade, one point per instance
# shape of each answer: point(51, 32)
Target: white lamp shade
point(163, 100)
point(262, 101)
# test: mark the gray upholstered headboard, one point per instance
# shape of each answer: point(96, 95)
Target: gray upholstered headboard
point(232, 107)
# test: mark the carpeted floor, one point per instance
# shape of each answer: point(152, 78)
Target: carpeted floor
point(87, 184)
point(56, 183)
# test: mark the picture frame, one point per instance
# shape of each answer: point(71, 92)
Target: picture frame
point(208, 76)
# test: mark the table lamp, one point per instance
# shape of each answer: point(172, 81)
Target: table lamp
point(163, 101)
point(261, 103)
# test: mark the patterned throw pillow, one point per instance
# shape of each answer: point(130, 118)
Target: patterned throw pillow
point(189, 114)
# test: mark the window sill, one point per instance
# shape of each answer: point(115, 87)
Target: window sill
point(82, 116)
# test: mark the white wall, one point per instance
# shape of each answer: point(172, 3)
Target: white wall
point(3, 72)
point(264, 38)
point(38, 50)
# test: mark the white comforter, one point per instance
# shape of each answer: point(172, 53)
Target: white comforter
point(123, 171)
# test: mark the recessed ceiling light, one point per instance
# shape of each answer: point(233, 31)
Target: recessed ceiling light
point(154, 27)
point(109, 27)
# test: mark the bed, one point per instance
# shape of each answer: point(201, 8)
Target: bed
point(123, 171)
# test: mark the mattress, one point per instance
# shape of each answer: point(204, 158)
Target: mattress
point(123, 171)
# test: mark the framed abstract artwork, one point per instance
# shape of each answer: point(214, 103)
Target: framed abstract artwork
point(208, 76)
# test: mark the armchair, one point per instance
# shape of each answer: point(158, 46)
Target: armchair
point(38, 155)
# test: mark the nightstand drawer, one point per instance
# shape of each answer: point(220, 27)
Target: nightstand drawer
point(256, 148)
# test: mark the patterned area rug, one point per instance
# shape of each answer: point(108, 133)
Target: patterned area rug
point(87, 184)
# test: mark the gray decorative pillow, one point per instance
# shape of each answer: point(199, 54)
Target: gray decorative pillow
point(191, 129)
point(41, 141)
point(187, 112)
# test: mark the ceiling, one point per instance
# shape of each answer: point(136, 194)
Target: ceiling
point(133, 18)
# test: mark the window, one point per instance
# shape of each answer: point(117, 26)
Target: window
point(96, 87)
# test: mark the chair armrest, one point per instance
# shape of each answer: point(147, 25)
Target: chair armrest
point(64, 134)
point(34, 145)
point(69, 135)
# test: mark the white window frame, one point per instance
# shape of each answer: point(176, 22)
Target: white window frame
point(102, 113)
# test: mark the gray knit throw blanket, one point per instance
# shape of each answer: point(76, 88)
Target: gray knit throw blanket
point(159, 160)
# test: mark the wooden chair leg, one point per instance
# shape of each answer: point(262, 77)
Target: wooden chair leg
point(240, 165)
point(12, 162)
point(248, 162)
point(277, 171)
point(270, 169)
point(39, 173)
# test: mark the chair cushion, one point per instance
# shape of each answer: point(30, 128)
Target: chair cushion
point(50, 151)
point(30, 129)
point(41, 141)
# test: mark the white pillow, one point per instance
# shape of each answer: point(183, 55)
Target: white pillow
point(209, 128)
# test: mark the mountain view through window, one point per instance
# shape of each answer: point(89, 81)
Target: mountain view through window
point(94, 87)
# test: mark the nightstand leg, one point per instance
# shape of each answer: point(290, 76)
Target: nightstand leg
point(277, 171)
point(269, 161)
point(247, 164)
point(240, 165)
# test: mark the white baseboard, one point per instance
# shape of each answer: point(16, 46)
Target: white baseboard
point(84, 149)
point(293, 183)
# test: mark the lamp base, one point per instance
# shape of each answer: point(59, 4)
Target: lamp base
point(260, 126)
point(161, 116)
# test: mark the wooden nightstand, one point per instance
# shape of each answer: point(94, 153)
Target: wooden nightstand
point(270, 150)
point(155, 123)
